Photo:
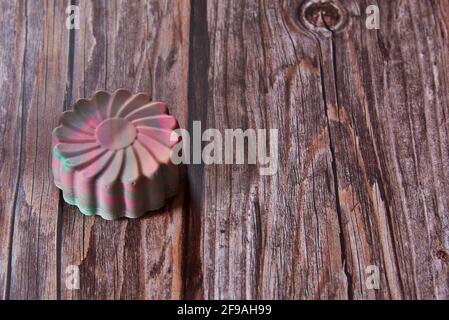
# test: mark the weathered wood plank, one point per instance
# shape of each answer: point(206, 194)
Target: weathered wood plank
point(265, 236)
point(388, 120)
point(371, 191)
point(142, 46)
point(36, 68)
point(12, 42)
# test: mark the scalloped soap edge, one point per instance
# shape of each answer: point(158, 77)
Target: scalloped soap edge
point(105, 214)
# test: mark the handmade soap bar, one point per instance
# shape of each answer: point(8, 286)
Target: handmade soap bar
point(112, 155)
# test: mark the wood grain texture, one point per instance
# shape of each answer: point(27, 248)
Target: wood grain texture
point(30, 206)
point(387, 109)
point(363, 126)
point(12, 55)
point(267, 236)
point(362, 181)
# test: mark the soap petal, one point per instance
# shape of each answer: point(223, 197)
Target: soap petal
point(167, 137)
point(147, 110)
point(66, 134)
point(161, 121)
point(132, 103)
point(84, 159)
point(101, 102)
point(112, 173)
point(67, 150)
point(96, 167)
point(159, 150)
point(76, 122)
point(131, 169)
point(116, 102)
point(88, 111)
point(147, 160)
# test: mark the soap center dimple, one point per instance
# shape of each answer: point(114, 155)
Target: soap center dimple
point(115, 133)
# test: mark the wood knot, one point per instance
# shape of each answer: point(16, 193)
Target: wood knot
point(323, 15)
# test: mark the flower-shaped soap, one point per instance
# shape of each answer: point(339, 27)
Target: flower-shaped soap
point(112, 155)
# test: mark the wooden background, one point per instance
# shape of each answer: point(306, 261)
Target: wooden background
point(363, 149)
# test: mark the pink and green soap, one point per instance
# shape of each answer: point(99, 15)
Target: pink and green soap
point(112, 155)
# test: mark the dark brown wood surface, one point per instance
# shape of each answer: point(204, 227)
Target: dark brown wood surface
point(363, 126)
